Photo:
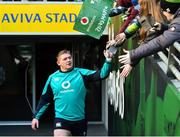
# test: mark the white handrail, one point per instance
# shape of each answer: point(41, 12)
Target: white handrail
point(177, 46)
point(172, 61)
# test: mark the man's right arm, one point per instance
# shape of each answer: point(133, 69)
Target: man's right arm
point(45, 100)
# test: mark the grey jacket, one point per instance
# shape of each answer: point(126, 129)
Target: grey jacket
point(159, 43)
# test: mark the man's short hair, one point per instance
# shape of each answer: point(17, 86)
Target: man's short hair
point(65, 51)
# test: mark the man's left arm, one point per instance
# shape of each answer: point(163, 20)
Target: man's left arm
point(99, 74)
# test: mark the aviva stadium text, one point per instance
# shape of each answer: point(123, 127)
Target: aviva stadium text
point(38, 18)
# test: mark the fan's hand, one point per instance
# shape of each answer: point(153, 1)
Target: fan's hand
point(125, 59)
point(126, 70)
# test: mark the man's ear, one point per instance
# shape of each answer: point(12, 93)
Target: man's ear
point(58, 63)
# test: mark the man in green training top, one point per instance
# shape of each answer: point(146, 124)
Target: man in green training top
point(67, 88)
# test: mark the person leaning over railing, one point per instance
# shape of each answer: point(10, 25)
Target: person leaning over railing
point(146, 25)
point(150, 16)
point(171, 9)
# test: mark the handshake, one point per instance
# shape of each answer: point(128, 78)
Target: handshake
point(113, 45)
point(110, 51)
point(123, 59)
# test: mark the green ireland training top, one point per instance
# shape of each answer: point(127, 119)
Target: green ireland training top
point(68, 91)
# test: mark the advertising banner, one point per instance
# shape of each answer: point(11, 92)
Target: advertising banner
point(38, 18)
point(93, 17)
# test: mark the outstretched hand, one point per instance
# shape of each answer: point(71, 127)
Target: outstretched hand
point(125, 59)
point(120, 38)
point(110, 43)
point(156, 27)
point(126, 70)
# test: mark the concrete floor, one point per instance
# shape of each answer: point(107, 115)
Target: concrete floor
point(96, 130)
point(46, 130)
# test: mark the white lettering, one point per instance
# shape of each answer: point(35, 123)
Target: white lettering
point(102, 20)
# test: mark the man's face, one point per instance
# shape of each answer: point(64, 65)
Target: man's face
point(65, 62)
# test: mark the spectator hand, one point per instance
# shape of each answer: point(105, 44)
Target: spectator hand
point(128, 12)
point(125, 59)
point(126, 70)
point(110, 43)
point(108, 55)
point(120, 38)
point(156, 27)
point(124, 17)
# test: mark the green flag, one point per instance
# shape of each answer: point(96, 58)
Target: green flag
point(93, 17)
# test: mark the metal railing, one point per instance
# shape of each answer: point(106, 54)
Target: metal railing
point(171, 59)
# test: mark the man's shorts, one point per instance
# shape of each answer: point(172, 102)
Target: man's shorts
point(77, 128)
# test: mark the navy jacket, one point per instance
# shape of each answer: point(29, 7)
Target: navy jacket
point(171, 35)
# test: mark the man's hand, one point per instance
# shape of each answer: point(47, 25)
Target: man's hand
point(35, 124)
point(125, 59)
point(126, 70)
point(108, 55)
